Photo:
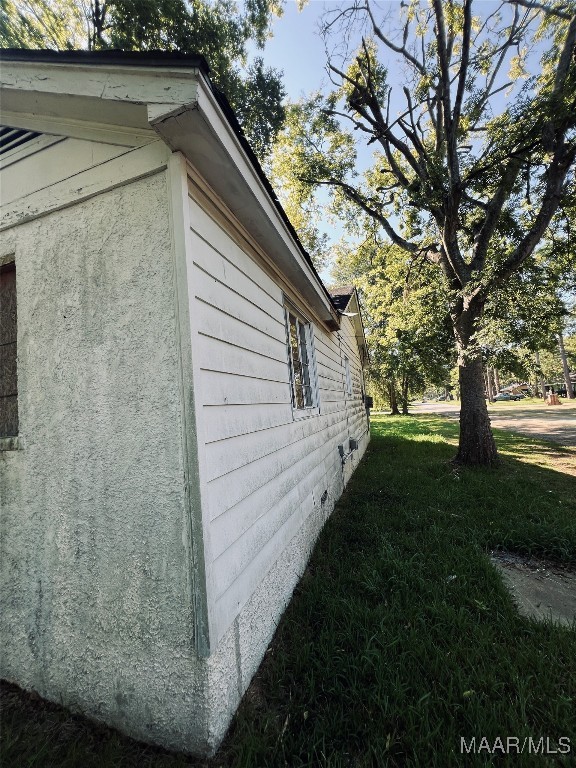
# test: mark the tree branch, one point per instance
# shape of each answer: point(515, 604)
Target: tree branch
point(449, 127)
point(466, 31)
point(503, 51)
point(396, 48)
point(557, 172)
point(546, 7)
point(413, 135)
point(356, 197)
point(568, 51)
point(357, 124)
point(380, 125)
point(494, 210)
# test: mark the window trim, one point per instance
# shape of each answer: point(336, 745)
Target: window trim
point(314, 408)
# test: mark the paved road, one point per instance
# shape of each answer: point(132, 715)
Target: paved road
point(553, 422)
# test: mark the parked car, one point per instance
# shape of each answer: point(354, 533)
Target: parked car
point(505, 396)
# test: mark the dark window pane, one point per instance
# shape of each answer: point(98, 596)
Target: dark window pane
point(8, 416)
point(300, 360)
point(8, 382)
point(7, 304)
point(303, 348)
point(8, 352)
point(304, 357)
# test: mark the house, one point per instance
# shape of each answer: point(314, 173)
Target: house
point(182, 401)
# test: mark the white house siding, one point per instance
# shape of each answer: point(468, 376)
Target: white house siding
point(263, 469)
point(96, 595)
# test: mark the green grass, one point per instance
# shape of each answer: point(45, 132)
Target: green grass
point(401, 638)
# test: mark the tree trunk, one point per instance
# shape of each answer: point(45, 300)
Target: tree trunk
point(404, 396)
point(393, 401)
point(566, 370)
point(539, 375)
point(489, 387)
point(496, 380)
point(476, 446)
point(492, 384)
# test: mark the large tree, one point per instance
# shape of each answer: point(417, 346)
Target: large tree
point(473, 153)
point(218, 29)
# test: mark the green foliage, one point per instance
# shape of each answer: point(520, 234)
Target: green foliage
point(413, 174)
point(58, 24)
point(405, 314)
point(474, 162)
point(220, 33)
point(309, 146)
point(217, 29)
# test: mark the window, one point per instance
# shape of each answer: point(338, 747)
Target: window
point(8, 377)
point(348, 378)
point(301, 356)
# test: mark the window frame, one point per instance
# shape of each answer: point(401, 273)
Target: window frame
point(304, 333)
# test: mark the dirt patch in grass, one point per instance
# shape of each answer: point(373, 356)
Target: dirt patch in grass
point(541, 589)
point(563, 460)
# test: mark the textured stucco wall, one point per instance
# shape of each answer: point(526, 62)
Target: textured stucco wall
point(96, 609)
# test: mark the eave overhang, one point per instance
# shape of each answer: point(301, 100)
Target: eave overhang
point(173, 95)
point(347, 303)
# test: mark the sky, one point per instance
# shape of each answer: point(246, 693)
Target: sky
point(297, 48)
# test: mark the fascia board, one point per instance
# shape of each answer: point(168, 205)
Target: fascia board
point(135, 84)
point(209, 106)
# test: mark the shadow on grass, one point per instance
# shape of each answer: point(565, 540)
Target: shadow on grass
point(532, 449)
point(525, 448)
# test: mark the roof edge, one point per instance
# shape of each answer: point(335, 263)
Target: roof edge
point(167, 59)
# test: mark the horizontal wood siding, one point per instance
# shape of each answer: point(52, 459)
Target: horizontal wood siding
point(266, 469)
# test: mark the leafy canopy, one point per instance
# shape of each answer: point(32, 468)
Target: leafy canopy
point(218, 29)
point(473, 152)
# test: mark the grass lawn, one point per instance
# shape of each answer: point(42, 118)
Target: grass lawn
point(401, 638)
